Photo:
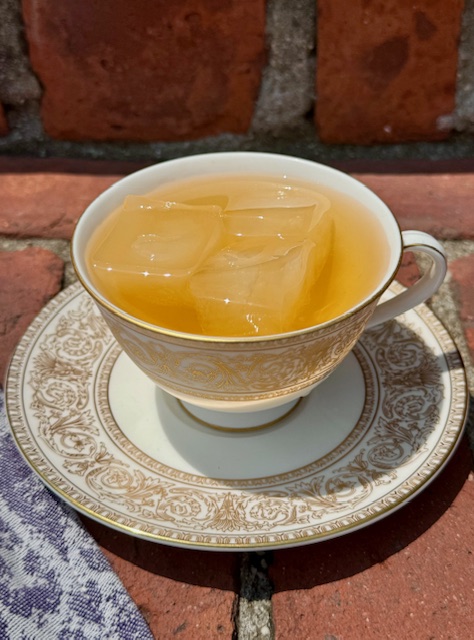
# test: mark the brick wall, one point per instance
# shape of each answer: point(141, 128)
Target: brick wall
point(153, 78)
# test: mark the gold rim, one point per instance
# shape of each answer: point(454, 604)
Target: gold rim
point(237, 430)
point(228, 339)
point(444, 449)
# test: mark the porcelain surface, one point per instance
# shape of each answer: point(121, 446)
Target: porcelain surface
point(102, 436)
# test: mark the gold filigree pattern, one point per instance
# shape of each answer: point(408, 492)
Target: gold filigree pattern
point(238, 371)
point(51, 401)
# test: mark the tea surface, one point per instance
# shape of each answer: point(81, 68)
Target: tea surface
point(236, 256)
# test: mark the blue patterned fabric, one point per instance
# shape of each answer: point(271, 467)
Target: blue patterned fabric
point(55, 582)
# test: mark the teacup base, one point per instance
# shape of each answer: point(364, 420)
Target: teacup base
point(242, 420)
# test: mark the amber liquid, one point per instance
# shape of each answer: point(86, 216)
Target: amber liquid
point(357, 261)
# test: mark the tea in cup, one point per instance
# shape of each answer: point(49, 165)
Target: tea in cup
point(239, 281)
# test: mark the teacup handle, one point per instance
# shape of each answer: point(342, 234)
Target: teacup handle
point(416, 241)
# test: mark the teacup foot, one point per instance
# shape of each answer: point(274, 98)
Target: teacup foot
point(240, 421)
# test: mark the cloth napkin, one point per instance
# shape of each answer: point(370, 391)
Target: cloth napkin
point(55, 582)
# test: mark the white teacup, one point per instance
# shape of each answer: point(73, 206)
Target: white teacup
point(250, 381)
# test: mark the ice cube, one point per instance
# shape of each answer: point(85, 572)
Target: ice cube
point(255, 286)
point(276, 209)
point(162, 242)
point(160, 237)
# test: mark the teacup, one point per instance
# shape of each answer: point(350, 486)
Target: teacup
point(248, 382)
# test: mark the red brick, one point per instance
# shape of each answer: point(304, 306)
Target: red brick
point(45, 197)
point(386, 70)
point(25, 164)
point(28, 279)
point(462, 271)
point(408, 576)
point(46, 204)
point(146, 70)
point(409, 271)
point(3, 122)
point(183, 593)
point(440, 204)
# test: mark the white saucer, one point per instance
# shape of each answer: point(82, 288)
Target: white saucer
point(108, 441)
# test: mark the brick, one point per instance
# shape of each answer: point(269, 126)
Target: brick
point(386, 70)
point(440, 204)
point(181, 592)
point(410, 575)
point(462, 272)
point(28, 280)
point(45, 197)
point(163, 71)
point(3, 122)
point(409, 271)
point(45, 204)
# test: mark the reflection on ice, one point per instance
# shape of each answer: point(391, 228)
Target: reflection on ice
point(274, 195)
point(247, 269)
point(255, 285)
point(159, 238)
point(274, 209)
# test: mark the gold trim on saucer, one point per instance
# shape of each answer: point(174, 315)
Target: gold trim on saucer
point(59, 411)
point(237, 430)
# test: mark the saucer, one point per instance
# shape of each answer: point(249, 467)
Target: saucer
point(102, 436)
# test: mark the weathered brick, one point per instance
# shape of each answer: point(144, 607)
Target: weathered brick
point(44, 204)
point(462, 272)
point(408, 576)
point(3, 122)
point(45, 197)
point(386, 70)
point(440, 204)
point(409, 271)
point(181, 592)
point(146, 70)
point(28, 279)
